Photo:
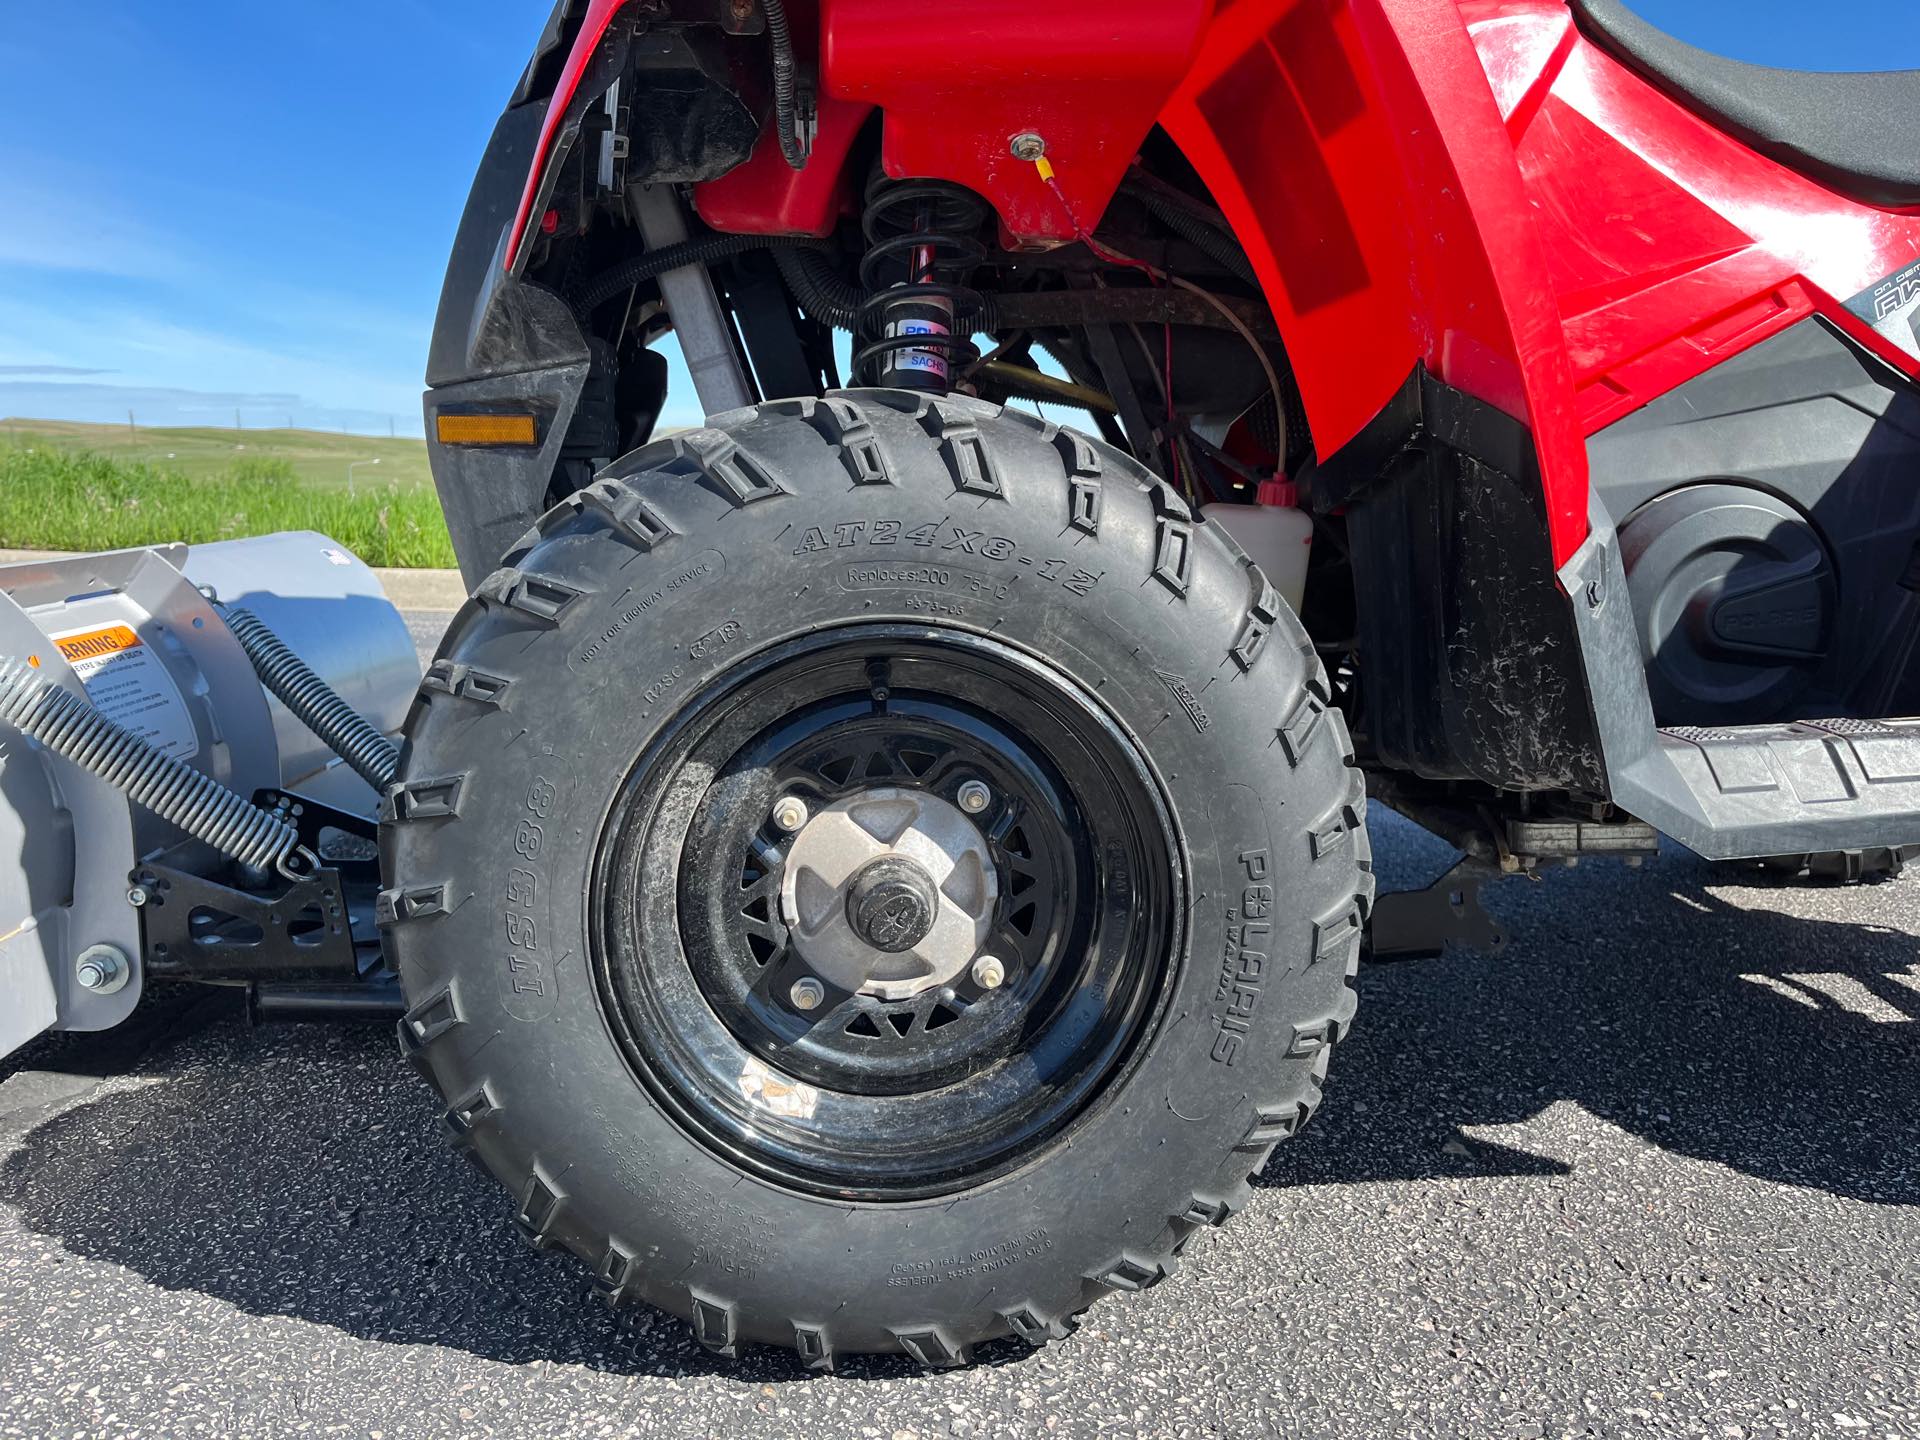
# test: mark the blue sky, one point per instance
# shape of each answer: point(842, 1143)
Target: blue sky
point(215, 205)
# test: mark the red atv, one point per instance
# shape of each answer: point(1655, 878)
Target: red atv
point(878, 871)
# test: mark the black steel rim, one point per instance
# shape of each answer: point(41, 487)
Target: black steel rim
point(863, 1097)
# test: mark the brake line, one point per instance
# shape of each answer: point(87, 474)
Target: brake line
point(1046, 172)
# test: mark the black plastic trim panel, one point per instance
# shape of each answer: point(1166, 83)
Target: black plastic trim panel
point(1469, 659)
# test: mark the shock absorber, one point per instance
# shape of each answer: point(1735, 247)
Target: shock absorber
point(922, 245)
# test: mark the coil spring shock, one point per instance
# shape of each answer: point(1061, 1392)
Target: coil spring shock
point(922, 245)
point(176, 792)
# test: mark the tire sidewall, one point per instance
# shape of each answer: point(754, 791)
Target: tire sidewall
point(1265, 947)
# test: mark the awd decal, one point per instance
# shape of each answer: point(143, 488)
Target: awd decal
point(1893, 308)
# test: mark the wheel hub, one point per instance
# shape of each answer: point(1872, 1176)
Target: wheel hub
point(870, 788)
point(891, 904)
point(889, 892)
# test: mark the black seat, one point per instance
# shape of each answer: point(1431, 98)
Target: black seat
point(1857, 134)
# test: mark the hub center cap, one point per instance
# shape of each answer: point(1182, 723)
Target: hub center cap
point(891, 904)
point(889, 892)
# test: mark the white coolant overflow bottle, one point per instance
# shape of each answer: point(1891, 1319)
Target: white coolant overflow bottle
point(1276, 532)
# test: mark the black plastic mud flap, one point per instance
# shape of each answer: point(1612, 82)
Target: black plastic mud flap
point(1733, 792)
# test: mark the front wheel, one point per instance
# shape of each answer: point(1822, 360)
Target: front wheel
point(875, 874)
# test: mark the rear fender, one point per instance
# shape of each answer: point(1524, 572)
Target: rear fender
point(1479, 187)
point(1354, 145)
point(1361, 157)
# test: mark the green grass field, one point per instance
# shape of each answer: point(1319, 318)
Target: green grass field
point(68, 486)
point(205, 453)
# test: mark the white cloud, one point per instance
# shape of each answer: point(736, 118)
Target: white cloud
point(153, 405)
point(147, 350)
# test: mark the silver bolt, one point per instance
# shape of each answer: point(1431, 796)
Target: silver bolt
point(807, 993)
point(989, 973)
point(101, 969)
point(1027, 146)
point(137, 896)
point(790, 813)
point(975, 797)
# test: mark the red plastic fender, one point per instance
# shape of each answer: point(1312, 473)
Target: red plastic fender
point(957, 83)
point(767, 196)
point(1359, 155)
point(1354, 146)
point(593, 26)
point(1466, 184)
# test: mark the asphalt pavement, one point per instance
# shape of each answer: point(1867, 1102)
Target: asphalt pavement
point(1649, 1170)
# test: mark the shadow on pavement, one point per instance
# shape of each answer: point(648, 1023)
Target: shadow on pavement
point(1779, 1046)
point(300, 1172)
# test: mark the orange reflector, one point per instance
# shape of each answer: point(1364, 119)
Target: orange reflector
point(485, 429)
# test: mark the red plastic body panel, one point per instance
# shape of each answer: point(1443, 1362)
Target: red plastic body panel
point(599, 15)
point(767, 196)
point(1668, 244)
point(1359, 154)
point(1468, 184)
point(958, 81)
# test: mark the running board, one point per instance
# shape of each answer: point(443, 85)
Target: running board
point(1795, 789)
point(1739, 792)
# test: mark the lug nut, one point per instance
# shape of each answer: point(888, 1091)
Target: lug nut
point(790, 813)
point(989, 973)
point(975, 797)
point(1027, 146)
point(807, 993)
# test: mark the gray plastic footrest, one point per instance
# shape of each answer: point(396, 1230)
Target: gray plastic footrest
point(1796, 788)
point(1803, 788)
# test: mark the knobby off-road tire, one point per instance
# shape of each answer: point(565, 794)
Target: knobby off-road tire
point(1843, 867)
point(672, 576)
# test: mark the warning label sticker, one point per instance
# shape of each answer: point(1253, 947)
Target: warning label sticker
point(129, 684)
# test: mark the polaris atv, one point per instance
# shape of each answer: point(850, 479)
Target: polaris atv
point(881, 869)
